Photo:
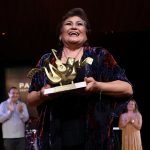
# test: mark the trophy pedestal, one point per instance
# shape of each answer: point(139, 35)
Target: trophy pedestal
point(68, 87)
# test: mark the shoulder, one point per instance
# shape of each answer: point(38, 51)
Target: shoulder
point(138, 114)
point(108, 58)
point(43, 59)
point(96, 50)
point(47, 55)
point(123, 115)
point(4, 102)
point(101, 51)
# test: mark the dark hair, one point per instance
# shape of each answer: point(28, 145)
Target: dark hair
point(13, 87)
point(74, 12)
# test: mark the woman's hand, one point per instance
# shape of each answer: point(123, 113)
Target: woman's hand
point(92, 84)
point(51, 96)
point(42, 90)
point(35, 98)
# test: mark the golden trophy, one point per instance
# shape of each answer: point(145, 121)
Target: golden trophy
point(64, 74)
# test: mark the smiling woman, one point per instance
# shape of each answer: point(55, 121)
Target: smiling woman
point(73, 32)
point(78, 120)
point(76, 23)
point(73, 36)
point(131, 122)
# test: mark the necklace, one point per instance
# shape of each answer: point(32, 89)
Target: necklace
point(76, 57)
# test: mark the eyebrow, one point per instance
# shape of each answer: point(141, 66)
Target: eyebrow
point(76, 21)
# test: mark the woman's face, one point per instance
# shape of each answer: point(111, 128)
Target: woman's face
point(73, 31)
point(131, 106)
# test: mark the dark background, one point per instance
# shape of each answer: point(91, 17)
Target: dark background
point(27, 30)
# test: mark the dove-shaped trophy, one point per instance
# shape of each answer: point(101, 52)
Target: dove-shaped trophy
point(64, 74)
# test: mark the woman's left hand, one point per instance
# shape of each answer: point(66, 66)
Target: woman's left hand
point(92, 84)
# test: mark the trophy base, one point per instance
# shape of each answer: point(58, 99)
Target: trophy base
point(67, 87)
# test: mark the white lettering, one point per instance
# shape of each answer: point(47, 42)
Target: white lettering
point(23, 87)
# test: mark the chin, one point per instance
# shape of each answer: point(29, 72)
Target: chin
point(76, 42)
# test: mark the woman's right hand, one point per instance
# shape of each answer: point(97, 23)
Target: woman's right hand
point(42, 90)
point(35, 98)
point(48, 96)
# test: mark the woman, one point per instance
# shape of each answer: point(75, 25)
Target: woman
point(130, 122)
point(70, 120)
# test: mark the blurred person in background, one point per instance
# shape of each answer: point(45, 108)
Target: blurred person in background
point(131, 122)
point(13, 116)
